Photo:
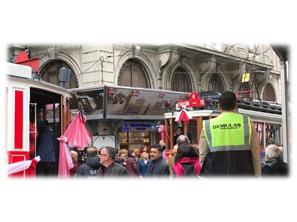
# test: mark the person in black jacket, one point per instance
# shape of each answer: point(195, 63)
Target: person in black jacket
point(46, 150)
point(109, 167)
point(92, 164)
point(157, 166)
point(274, 166)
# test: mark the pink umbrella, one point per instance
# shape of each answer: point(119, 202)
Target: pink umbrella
point(76, 135)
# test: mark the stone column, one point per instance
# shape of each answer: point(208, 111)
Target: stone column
point(97, 65)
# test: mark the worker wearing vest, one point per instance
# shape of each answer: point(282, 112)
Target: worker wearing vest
point(229, 143)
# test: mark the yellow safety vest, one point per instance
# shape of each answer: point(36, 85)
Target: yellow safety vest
point(228, 132)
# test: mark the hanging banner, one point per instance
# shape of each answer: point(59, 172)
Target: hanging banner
point(245, 77)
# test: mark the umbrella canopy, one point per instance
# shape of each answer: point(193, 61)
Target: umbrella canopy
point(77, 134)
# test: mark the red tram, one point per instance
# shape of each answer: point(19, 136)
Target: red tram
point(28, 101)
point(266, 117)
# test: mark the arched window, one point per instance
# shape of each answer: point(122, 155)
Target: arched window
point(180, 81)
point(269, 93)
point(133, 74)
point(215, 83)
point(245, 90)
point(50, 73)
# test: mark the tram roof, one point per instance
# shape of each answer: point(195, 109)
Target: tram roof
point(255, 115)
point(42, 85)
point(22, 75)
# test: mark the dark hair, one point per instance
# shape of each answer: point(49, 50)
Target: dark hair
point(227, 100)
point(92, 152)
point(185, 150)
point(158, 147)
point(111, 152)
point(130, 153)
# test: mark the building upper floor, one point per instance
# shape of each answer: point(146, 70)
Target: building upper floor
point(178, 67)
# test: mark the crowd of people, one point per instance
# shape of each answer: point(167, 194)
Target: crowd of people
point(182, 161)
point(149, 162)
point(228, 145)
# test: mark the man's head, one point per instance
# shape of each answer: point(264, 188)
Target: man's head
point(273, 152)
point(227, 101)
point(179, 131)
point(74, 156)
point(122, 154)
point(182, 139)
point(107, 155)
point(156, 152)
point(92, 152)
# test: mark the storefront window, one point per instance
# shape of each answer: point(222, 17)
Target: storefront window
point(132, 140)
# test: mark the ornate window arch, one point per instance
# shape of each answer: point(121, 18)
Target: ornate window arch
point(133, 74)
point(269, 93)
point(215, 83)
point(180, 80)
point(50, 73)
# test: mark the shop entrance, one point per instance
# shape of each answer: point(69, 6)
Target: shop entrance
point(137, 134)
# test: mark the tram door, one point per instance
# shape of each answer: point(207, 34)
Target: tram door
point(48, 111)
point(32, 130)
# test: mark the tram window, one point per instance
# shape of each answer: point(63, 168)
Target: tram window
point(260, 132)
point(51, 111)
point(192, 132)
point(273, 134)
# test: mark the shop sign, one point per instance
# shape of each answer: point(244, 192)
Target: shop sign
point(138, 126)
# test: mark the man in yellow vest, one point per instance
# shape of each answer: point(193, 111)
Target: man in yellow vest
point(229, 144)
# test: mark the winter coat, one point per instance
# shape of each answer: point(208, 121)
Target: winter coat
point(187, 166)
point(46, 146)
point(158, 167)
point(132, 166)
point(89, 168)
point(228, 163)
point(143, 167)
point(114, 170)
point(275, 168)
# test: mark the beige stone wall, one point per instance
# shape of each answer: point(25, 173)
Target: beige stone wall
point(200, 61)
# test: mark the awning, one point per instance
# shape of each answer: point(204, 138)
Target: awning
point(125, 102)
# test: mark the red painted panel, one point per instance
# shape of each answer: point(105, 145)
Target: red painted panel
point(18, 120)
point(16, 156)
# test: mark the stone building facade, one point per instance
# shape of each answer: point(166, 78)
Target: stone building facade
point(202, 67)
